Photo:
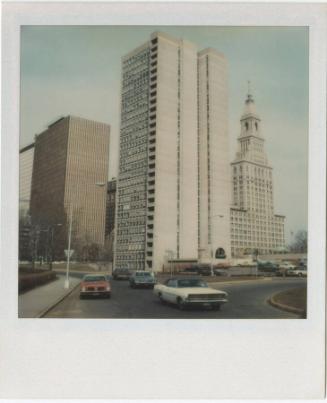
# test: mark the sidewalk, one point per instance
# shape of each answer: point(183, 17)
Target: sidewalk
point(33, 303)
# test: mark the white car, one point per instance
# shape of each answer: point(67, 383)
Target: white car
point(190, 292)
point(287, 266)
point(301, 272)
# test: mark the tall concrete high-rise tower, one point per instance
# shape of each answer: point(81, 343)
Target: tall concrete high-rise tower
point(164, 112)
point(214, 167)
point(254, 226)
point(71, 157)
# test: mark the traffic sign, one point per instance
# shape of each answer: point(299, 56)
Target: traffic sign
point(70, 252)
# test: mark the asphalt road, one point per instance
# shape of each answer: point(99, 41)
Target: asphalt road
point(247, 300)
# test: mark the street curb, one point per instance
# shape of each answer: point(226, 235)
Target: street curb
point(284, 307)
point(46, 310)
point(239, 281)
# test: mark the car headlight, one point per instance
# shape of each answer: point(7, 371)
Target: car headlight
point(108, 288)
point(83, 289)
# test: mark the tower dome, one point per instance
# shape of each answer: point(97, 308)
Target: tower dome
point(249, 106)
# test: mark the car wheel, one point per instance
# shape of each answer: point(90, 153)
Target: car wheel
point(108, 295)
point(180, 304)
point(161, 299)
point(81, 296)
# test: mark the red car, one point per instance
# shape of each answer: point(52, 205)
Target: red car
point(95, 285)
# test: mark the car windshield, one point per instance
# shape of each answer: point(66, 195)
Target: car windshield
point(191, 283)
point(94, 278)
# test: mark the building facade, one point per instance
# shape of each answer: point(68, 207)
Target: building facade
point(164, 119)
point(111, 207)
point(70, 174)
point(26, 157)
point(213, 156)
point(255, 228)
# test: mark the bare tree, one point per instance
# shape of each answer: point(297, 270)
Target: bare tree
point(300, 243)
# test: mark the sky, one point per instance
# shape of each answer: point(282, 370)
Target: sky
point(76, 70)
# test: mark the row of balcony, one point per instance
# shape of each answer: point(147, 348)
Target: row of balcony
point(152, 150)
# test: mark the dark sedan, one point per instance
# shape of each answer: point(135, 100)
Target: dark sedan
point(121, 274)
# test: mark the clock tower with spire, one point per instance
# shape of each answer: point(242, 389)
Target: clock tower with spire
point(254, 226)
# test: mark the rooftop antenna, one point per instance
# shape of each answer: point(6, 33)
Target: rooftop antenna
point(249, 91)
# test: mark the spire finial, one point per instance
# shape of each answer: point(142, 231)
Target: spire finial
point(249, 87)
point(249, 97)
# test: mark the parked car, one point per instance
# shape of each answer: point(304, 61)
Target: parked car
point(287, 266)
point(204, 271)
point(191, 270)
point(303, 262)
point(300, 272)
point(198, 270)
point(190, 292)
point(121, 274)
point(219, 272)
point(95, 285)
point(142, 278)
point(267, 267)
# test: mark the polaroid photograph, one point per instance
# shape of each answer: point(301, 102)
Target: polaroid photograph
point(163, 201)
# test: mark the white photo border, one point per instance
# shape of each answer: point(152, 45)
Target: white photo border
point(166, 359)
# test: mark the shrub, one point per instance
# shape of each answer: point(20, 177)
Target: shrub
point(29, 281)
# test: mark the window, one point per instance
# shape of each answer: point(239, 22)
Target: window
point(220, 253)
point(171, 283)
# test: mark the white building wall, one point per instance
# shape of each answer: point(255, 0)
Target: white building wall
point(188, 230)
point(214, 155)
point(203, 217)
point(175, 217)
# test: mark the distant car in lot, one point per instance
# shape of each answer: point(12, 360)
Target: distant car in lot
point(287, 266)
point(198, 270)
point(204, 271)
point(269, 268)
point(142, 278)
point(121, 274)
point(299, 272)
point(190, 270)
point(220, 272)
point(303, 262)
point(95, 285)
point(190, 292)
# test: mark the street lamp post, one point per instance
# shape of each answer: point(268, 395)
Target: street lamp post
point(66, 284)
point(35, 246)
point(211, 245)
point(170, 254)
point(51, 243)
